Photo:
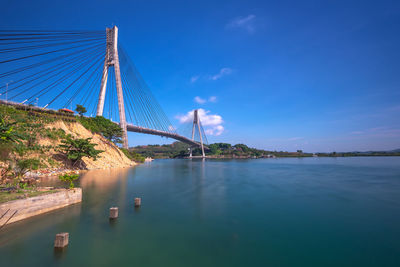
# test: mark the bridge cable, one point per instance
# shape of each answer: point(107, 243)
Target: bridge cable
point(78, 90)
point(69, 64)
point(15, 71)
point(51, 68)
point(72, 83)
point(63, 78)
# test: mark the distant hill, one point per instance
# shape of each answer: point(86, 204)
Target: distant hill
point(225, 150)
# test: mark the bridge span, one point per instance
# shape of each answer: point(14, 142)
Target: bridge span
point(183, 139)
point(91, 69)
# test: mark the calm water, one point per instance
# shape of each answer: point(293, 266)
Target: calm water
point(272, 212)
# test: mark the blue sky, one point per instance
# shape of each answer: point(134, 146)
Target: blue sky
point(280, 75)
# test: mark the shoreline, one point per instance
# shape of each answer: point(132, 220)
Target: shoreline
point(21, 209)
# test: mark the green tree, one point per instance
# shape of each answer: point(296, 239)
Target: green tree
point(69, 178)
point(80, 109)
point(103, 126)
point(110, 130)
point(77, 148)
point(132, 155)
point(242, 147)
point(7, 132)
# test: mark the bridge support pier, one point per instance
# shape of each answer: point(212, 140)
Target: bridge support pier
point(196, 122)
point(112, 59)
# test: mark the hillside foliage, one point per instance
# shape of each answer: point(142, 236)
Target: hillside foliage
point(103, 126)
point(77, 148)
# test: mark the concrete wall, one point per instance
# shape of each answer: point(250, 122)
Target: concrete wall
point(32, 206)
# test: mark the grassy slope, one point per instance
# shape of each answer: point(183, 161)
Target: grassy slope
point(23, 193)
point(40, 136)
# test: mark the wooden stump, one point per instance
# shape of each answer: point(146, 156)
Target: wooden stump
point(113, 212)
point(138, 202)
point(61, 240)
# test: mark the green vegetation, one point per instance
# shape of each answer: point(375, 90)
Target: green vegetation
point(7, 194)
point(25, 165)
point(19, 131)
point(69, 178)
point(53, 134)
point(80, 109)
point(132, 155)
point(225, 150)
point(103, 126)
point(217, 150)
point(77, 148)
point(7, 132)
point(174, 150)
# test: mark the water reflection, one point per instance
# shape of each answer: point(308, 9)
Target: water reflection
point(105, 186)
point(223, 213)
point(104, 180)
point(24, 229)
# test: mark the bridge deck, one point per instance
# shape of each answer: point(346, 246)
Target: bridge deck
point(137, 129)
point(130, 127)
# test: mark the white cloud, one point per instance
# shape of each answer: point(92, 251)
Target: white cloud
point(199, 100)
point(217, 130)
point(194, 79)
point(222, 72)
point(212, 123)
point(212, 99)
point(246, 23)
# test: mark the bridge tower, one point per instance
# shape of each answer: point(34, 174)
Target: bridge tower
point(196, 123)
point(111, 59)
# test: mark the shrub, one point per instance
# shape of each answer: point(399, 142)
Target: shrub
point(103, 126)
point(25, 165)
point(54, 134)
point(69, 178)
point(132, 155)
point(7, 132)
point(76, 148)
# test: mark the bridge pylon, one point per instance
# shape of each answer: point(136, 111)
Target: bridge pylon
point(112, 59)
point(196, 123)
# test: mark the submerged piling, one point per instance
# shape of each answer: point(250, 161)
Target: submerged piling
point(113, 212)
point(61, 240)
point(138, 201)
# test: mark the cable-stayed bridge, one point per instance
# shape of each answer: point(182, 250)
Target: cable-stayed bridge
point(60, 69)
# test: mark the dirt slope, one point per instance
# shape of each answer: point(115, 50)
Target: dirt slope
point(112, 157)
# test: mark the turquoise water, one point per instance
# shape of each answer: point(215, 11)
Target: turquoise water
point(267, 212)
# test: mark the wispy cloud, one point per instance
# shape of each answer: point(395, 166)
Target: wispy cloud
point(212, 123)
point(246, 23)
point(378, 132)
point(222, 72)
point(199, 100)
point(212, 99)
point(194, 79)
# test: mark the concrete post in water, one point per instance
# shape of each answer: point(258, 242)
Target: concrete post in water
point(113, 212)
point(61, 240)
point(138, 201)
